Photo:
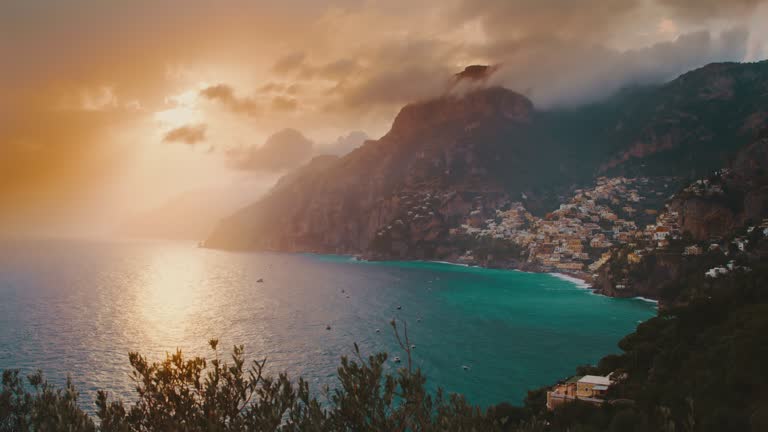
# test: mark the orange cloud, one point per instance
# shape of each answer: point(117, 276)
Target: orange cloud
point(188, 134)
point(225, 94)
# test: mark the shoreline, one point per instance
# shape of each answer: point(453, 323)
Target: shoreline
point(583, 282)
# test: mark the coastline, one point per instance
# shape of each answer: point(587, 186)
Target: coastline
point(580, 281)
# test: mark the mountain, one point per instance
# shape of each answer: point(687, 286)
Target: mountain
point(458, 159)
point(191, 215)
point(711, 221)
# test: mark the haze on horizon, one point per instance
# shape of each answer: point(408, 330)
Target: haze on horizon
point(110, 109)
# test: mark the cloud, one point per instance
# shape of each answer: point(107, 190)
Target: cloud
point(81, 76)
point(187, 134)
point(225, 95)
point(346, 143)
point(280, 88)
point(707, 9)
point(555, 72)
point(584, 19)
point(282, 103)
point(289, 63)
point(283, 150)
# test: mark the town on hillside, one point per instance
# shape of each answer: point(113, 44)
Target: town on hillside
point(630, 217)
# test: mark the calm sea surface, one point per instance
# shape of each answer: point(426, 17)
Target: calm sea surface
point(78, 308)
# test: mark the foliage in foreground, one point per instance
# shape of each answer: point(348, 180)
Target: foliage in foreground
point(195, 394)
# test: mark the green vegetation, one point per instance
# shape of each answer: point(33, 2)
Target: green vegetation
point(197, 394)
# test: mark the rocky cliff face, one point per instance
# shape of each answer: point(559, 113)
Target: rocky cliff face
point(711, 210)
point(436, 155)
point(455, 158)
point(717, 205)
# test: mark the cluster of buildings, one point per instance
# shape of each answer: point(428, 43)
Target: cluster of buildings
point(576, 236)
point(739, 244)
point(709, 186)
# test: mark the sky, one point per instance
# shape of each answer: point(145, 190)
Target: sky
point(111, 108)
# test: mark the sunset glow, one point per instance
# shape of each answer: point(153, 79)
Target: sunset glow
point(383, 215)
point(112, 82)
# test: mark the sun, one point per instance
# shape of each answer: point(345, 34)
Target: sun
point(184, 109)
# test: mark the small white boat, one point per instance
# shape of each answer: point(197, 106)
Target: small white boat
point(413, 346)
point(465, 367)
point(396, 359)
point(378, 331)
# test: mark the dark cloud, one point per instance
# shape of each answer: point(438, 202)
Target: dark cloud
point(283, 150)
point(225, 95)
point(702, 9)
point(583, 19)
point(557, 72)
point(220, 92)
point(289, 63)
point(282, 103)
point(292, 89)
point(397, 86)
point(397, 73)
point(187, 134)
point(280, 88)
point(559, 52)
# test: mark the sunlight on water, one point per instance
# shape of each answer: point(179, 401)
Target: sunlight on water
point(170, 293)
point(78, 308)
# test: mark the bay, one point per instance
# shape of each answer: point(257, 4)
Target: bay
point(75, 307)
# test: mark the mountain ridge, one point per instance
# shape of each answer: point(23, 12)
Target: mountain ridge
point(456, 158)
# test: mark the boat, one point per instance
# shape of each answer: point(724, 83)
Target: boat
point(396, 359)
point(328, 327)
point(465, 367)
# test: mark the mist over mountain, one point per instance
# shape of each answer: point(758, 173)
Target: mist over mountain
point(191, 215)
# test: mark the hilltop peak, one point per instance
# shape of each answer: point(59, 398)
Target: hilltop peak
point(464, 110)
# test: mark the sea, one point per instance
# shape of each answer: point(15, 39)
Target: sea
point(77, 308)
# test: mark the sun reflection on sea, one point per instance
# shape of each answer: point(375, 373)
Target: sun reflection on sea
point(171, 295)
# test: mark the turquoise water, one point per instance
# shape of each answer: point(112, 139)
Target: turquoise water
point(75, 307)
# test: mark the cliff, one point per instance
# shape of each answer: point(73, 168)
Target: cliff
point(456, 159)
point(714, 213)
point(439, 153)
